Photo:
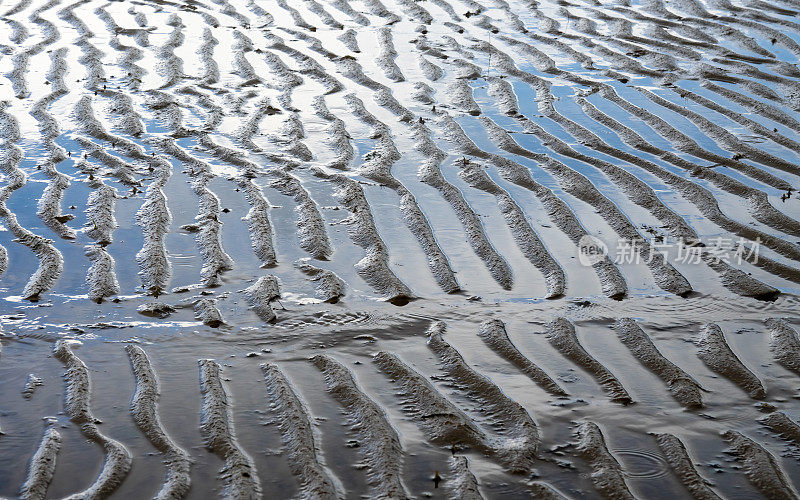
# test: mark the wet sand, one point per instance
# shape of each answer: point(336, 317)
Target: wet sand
point(330, 249)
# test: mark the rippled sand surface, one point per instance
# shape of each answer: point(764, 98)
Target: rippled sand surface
point(400, 249)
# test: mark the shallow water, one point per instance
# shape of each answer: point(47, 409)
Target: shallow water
point(558, 117)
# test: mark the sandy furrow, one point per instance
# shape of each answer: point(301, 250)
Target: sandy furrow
point(310, 225)
point(379, 443)
point(299, 439)
point(101, 277)
point(116, 167)
point(210, 67)
point(725, 138)
point(517, 439)
point(261, 294)
point(238, 475)
point(318, 9)
point(118, 459)
point(766, 110)
point(144, 408)
point(757, 202)
point(383, 95)
point(415, 12)
point(250, 126)
point(374, 266)
point(503, 94)
point(379, 168)
point(92, 57)
point(748, 19)
point(205, 310)
point(493, 333)
point(713, 350)
point(611, 281)
point(20, 61)
point(307, 65)
point(760, 11)
point(431, 174)
point(607, 474)
point(243, 68)
point(682, 465)
point(141, 36)
point(376, 8)
point(683, 387)
point(388, 54)
point(338, 139)
point(460, 95)
point(724, 24)
point(113, 27)
point(171, 65)
point(49, 206)
point(17, 75)
point(258, 223)
point(215, 260)
point(90, 125)
point(350, 40)
point(284, 78)
point(742, 283)
point(754, 126)
point(18, 31)
point(524, 235)
point(731, 278)
point(292, 131)
point(463, 483)
point(661, 33)
point(561, 334)
point(423, 93)
point(782, 425)
point(100, 208)
point(661, 53)
point(155, 219)
point(230, 10)
point(208, 227)
point(664, 274)
point(760, 467)
point(622, 46)
point(17, 8)
point(3, 260)
point(296, 17)
point(596, 42)
point(42, 466)
point(431, 71)
point(128, 59)
point(441, 421)
point(209, 238)
point(329, 287)
point(450, 10)
point(784, 343)
point(51, 262)
point(679, 139)
point(778, 85)
point(683, 142)
point(345, 7)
